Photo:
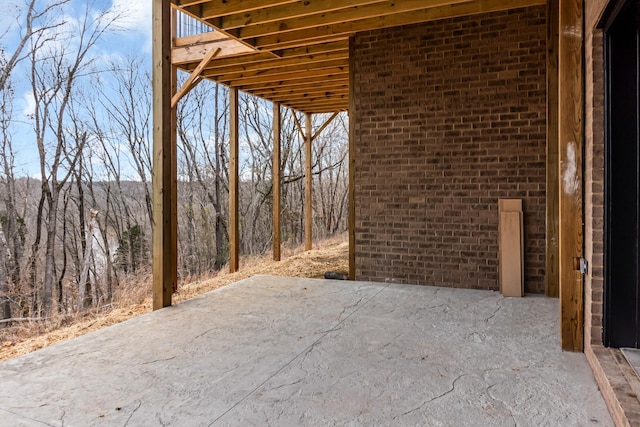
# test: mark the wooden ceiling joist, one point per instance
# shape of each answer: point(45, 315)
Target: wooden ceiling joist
point(289, 74)
point(285, 12)
point(271, 66)
point(377, 10)
point(340, 94)
point(212, 8)
point(296, 52)
point(275, 93)
point(452, 9)
point(317, 81)
point(290, 67)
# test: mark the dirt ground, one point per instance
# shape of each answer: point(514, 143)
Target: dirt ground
point(330, 255)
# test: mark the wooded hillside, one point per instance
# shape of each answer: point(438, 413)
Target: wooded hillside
point(73, 236)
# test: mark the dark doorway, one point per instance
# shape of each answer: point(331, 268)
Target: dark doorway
point(622, 176)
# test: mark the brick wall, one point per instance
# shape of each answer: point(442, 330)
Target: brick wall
point(594, 173)
point(449, 117)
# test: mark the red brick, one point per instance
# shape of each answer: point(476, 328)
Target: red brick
point(451, 117)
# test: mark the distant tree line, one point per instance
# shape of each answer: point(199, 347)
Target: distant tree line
point(72, 236)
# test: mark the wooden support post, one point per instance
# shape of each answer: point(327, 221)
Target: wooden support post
point(552, 286)
point(570, 143)
point(352, 163)
point(164, 176)
point(276, 183)
point(308, 180)
point(234, 229)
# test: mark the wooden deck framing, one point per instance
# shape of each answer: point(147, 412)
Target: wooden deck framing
point(165, 219)
point(570, 143)
point(297, 54)
point(552, 279)
point(276, 183)
point(234, 218)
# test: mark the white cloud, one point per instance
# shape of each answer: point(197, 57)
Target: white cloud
point(135, 15)
point(29, 102)
point(134, 20)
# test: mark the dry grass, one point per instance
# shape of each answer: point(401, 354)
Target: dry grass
point(134, 299)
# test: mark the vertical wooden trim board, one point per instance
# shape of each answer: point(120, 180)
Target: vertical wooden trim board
point(352, 164)
point(570, 143)
point(552, 287)
point(511, 247)
point(234, 228)
point(276, 183)
point(164, 180)
point(308, 182)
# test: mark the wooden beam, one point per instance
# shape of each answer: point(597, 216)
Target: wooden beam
point(571, 139)
point(309, 106)
point(285, 11)
point(251, 58)
point(276, 182)
point(174, 177)
point(164, 178)
point(187, 2)
point(315, 109)
point(329, 17)
point(274, 73)
point(347, 28)
point(300, 43)
point(234, 228)
point(211, 9)
point(298, 125)
point(232, 61)
point(324, 126)
point(310, 90)
point(277, 85)
point(275, 65)
point(312, 49)
point(194, 77)
point(352, 163)
point(321, 94)
point(552, 286)
point(271, 78)
point(308, 182)
point(195, 53)
point(203, 38)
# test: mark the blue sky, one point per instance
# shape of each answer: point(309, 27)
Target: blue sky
point(131, 34)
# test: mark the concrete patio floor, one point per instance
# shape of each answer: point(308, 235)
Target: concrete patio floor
point(272, 351)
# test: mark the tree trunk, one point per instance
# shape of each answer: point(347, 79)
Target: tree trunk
point(84, 294)
point(49, 265)
point(5, 303)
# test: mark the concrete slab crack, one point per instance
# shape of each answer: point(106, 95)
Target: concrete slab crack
point(126, 423)
point(26, 417)
point(158, 360)
point(433, 399)
point(348, 307)
point(499, 303)
point(303, 353)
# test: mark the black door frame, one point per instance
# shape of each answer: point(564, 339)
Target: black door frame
point(618, 304)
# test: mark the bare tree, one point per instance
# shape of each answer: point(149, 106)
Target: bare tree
point(202, 136)
point(58, 61)
point(129, 117)
point(36, 23)
point(32, 23)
